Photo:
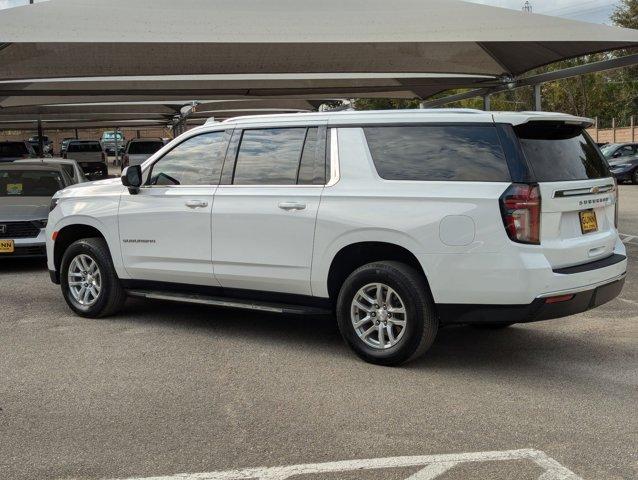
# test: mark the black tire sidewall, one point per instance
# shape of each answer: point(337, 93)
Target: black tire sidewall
point(90, 248)
point(413, 303)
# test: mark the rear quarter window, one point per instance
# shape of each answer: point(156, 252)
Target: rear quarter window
point(438, 153)
point(558, 152)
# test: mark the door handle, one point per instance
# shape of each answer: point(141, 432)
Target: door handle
point(196, 204)
point(292, 206)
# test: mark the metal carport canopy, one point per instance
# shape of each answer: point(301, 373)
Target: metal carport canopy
point(137, 114)
point(84, 38)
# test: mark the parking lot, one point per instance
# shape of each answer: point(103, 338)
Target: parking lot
point(164, 389)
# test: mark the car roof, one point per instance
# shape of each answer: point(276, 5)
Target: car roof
point(148, 139)
point(47, 161)
point(442, 115)
point(29, 167)
point(84, 141)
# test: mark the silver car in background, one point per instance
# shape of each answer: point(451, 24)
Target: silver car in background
point(25, 200)
point(71, 167)
point(140, 149)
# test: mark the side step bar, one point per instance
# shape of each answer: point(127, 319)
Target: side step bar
point(229, 302)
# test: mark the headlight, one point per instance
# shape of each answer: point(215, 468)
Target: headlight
point(40, 223)
point(54, 203)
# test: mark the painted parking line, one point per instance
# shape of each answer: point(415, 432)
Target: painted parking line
point(432, 467)
point(629, 239)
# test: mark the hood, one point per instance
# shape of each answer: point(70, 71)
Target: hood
point(13, 209)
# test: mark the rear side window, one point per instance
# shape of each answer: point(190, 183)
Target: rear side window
point(269, 156)
point(84, 147)
point(557, 152)
point(470, 153)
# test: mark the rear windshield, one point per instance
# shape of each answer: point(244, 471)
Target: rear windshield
point(30, 183)
point(111, 136)
point(144, 148)
point(84, 147)
point(13, 149)
point(558, 152)
point(438, 153)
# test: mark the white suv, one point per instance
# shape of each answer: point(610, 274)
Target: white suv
point(398, 222)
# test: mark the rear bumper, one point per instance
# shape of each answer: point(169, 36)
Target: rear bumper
point(92, 168)
point(583, 299)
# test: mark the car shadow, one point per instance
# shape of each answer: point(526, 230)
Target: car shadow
point(525, 351)
point(18, 265)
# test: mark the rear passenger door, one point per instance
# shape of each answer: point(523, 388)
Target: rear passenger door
point(266, 207)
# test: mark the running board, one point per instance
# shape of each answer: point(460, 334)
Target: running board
point(229, 302)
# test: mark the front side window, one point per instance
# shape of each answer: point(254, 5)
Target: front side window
point(269, 156)
point(196, 161)
point(438, 153)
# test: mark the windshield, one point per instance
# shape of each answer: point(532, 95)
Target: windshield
point(559, 152)
point(30, 183)
point(84, 147)
point(144, 148)
point(608, 150)
point(13, 149)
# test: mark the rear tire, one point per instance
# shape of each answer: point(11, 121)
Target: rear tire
point(403, 289)
point(87, 266)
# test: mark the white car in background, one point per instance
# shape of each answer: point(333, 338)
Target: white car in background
point(25, 199)
point(139, 150)
point(89, 155)
point(398, 222)
point(70, 167)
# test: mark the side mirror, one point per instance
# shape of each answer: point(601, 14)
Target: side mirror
point(132, 178)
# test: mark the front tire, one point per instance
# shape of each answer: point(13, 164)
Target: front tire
point(386, 314)
point(88, 280)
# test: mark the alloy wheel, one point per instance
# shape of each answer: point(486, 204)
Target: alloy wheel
point(378, 315)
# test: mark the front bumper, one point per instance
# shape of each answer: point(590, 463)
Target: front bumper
point(542, 308)
point(28, 247)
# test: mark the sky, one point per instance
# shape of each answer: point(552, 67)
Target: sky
point(597, 11)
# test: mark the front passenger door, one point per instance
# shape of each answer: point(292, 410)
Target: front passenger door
point(165, 229)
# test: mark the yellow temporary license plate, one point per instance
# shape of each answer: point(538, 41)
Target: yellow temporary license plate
point(588, 222)
point(6, 246)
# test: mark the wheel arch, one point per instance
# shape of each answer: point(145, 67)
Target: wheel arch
point(71, 233)
point(355, 255)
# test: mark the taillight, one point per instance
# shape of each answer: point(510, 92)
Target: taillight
point(521, 211)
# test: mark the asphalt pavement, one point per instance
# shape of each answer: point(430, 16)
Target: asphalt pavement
point(164, 389)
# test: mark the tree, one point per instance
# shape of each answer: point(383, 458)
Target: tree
point(606, 95)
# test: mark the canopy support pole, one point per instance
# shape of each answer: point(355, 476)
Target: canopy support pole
point(538, 98)
point(487, 102)
point(40, 139)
